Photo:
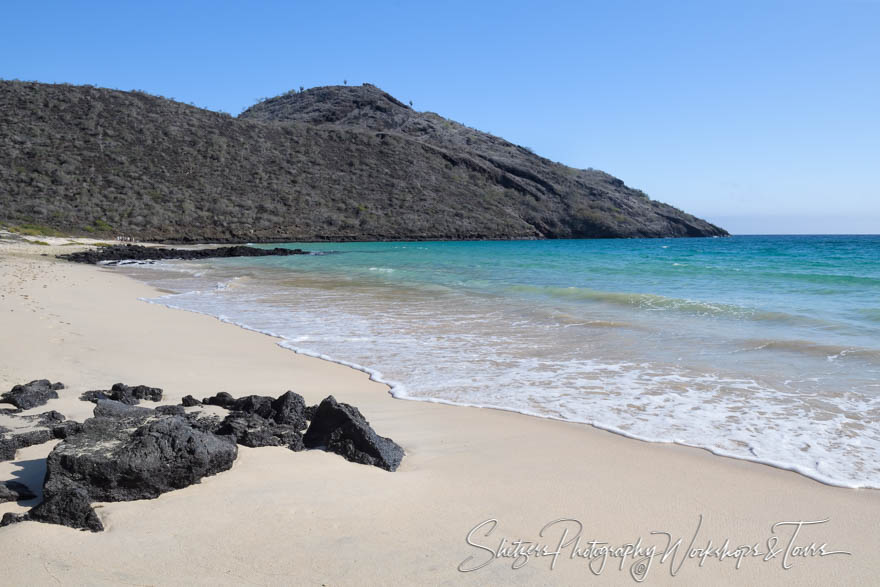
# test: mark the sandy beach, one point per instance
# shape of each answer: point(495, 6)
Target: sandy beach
point(312, 518)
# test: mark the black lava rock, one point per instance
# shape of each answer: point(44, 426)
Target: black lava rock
point(290, 409)
point(171, 410)
point(70, 506)
point(207, 423)
point(116, 253)
point(14, 491)
point(94, 395)
point(124, 453)
point(222, 399)
point(259, 420)
point(33, 394)
point(287, 410)
point(189, 401)
point(7, 448)
point(342, 429)
point(125, 394)
point(108, 408)
point(254, 431)
point(42, 428)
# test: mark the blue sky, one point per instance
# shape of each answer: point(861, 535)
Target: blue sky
point(761, 116)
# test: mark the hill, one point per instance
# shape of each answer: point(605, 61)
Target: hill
point(331, 163)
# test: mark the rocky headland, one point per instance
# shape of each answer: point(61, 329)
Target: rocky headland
point(330, 163)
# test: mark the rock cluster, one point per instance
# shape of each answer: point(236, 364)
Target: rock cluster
point(124, 394)
point(33, 394)
point(337, 427)
point(116, 253)
point(342, 429)
point(256, 420)
point(35, 429)
point(124, 453)
point(127, 452)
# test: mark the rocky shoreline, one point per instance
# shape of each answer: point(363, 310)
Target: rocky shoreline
point(118, 253)
point(128, 452)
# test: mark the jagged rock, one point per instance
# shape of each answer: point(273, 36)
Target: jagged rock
point(108, 408)
point(33, 394)
point(189, 401)
point(124, 393)
point(15, 491)
point(116, 253)
point(66, 428)
point(253, 404)
point(259, 420)
point(206, 423)
point(47, 419)
point(288, 409)
point(253, 430)
point(222, 399)
point(43, 428)
point(70, 507)
point(128, 452)
point(94, 395)
point(124, 453)
point(342, 429)
point(138, 392)
point(171, 410)
point(7, 448)
point(32, 437)
point(11, 518)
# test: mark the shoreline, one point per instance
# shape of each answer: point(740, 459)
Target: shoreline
point(376, 376)
point(281, 517)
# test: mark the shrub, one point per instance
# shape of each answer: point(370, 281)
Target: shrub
point(34, 230)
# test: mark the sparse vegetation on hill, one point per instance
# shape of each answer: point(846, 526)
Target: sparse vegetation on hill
point(333, 163)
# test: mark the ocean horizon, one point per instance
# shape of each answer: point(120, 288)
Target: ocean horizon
point(759, 347)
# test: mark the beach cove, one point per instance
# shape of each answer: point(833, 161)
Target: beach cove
point(279, 517)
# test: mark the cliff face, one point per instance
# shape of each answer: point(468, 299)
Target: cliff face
point(334, 163)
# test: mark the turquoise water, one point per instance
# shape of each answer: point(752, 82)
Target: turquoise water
point(762, 348)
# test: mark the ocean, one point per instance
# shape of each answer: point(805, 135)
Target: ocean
point(764, 348)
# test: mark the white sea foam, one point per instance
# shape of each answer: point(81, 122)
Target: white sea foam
point(462, 350)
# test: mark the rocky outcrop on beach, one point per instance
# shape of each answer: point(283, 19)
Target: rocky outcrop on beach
point(33, 394)
point(117, 253)
point(255, 431)
point(127, 452)
point(287, 409)
point(329, 163)
point(336, 427)
point(124, 394)
point(124, 453)
point(256, 420)
point(342, 429)
point(33, 430)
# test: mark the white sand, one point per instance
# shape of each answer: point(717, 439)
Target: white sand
point(312, 518)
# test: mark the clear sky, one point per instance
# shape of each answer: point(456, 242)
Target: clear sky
point(761, 116)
